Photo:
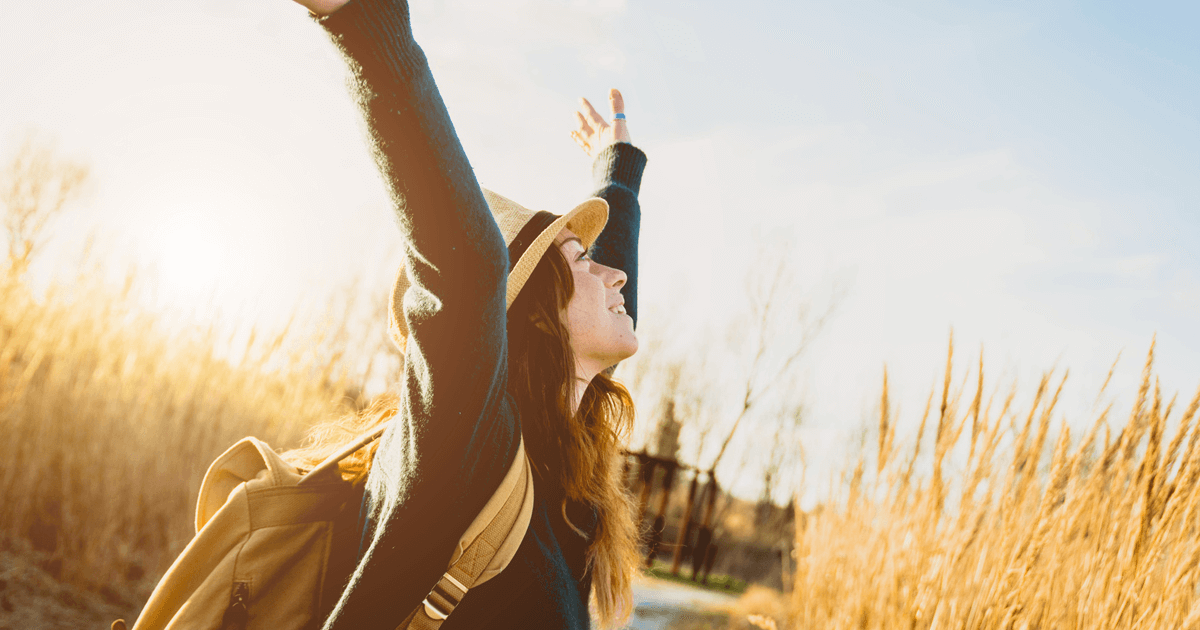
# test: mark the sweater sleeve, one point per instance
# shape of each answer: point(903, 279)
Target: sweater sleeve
point(455, 432)
point(617, 173)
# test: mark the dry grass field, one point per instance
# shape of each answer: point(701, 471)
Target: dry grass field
point(110, 417)
point(993, 517)
point(1037, 529)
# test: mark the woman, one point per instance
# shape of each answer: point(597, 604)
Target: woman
point(492, 352)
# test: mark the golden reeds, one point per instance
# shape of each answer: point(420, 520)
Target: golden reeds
point(1067, 534)
point(109, 419)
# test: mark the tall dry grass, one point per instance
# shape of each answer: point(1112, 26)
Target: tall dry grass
point(1031, 528)
point(110, 415)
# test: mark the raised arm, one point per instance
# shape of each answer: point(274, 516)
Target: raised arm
point(454, 254)
point(617, 176)
point(454, 434)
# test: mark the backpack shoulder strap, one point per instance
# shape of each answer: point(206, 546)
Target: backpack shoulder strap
point(485, 549)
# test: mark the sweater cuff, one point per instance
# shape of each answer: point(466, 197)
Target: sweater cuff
point(620, 163)
point(358, 23)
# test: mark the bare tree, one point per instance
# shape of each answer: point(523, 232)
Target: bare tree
point(781, 325)
point(767, 343)
point(678, 381)
point(784, 441)
point(666, 432)
point(35, 185)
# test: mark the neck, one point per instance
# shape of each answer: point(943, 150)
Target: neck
point(581, 386)
point(583, 378)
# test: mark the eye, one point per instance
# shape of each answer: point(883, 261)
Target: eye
point(580, 253)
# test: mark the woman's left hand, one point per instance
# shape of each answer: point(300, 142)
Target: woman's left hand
point(592, 133)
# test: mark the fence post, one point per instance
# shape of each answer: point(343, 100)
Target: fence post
point(710, 557)
point(660, 521)
point(681, 537)
point(646, 468)
point(704, 537)
point(668, 484)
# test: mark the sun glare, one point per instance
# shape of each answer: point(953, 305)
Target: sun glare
point(189, 258)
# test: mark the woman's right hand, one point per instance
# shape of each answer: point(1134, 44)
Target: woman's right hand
point(322, 7)
point(592, 133)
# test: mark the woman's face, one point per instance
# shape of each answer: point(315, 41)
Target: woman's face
point(601, 333)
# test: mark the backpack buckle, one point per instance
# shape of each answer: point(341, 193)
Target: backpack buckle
point(434, 612)
point(442, 600)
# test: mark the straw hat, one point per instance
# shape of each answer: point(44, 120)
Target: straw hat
point(527, 233)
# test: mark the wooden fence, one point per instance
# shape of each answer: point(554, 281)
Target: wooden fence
point(693, 540)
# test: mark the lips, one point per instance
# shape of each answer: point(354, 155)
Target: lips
point(618, 308)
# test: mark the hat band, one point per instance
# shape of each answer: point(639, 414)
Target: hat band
point(526, 236)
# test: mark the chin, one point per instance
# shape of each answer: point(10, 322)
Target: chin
point(633, 346)
point(618, 348)
point(629, 347)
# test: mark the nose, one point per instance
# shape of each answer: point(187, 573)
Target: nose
point(614, 277)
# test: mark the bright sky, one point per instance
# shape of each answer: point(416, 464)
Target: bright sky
point(1027, 175)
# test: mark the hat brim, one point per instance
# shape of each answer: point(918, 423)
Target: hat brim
point(586, 220)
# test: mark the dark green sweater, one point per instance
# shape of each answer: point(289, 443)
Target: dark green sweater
point(457, 429)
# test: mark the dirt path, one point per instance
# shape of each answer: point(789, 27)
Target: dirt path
point(31, 599)
point(663, 605)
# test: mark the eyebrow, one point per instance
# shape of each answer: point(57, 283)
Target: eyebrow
point(573, 238)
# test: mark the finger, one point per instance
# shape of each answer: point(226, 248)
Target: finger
point(596, 118)
point(620, 127)
point(585, 128)
point(583, 144)
point(616, 102)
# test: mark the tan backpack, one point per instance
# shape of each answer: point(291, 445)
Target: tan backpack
point(266, 553)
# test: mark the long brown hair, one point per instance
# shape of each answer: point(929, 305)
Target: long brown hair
point(578, 455)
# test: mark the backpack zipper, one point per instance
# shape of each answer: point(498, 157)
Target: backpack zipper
point(237, 615)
